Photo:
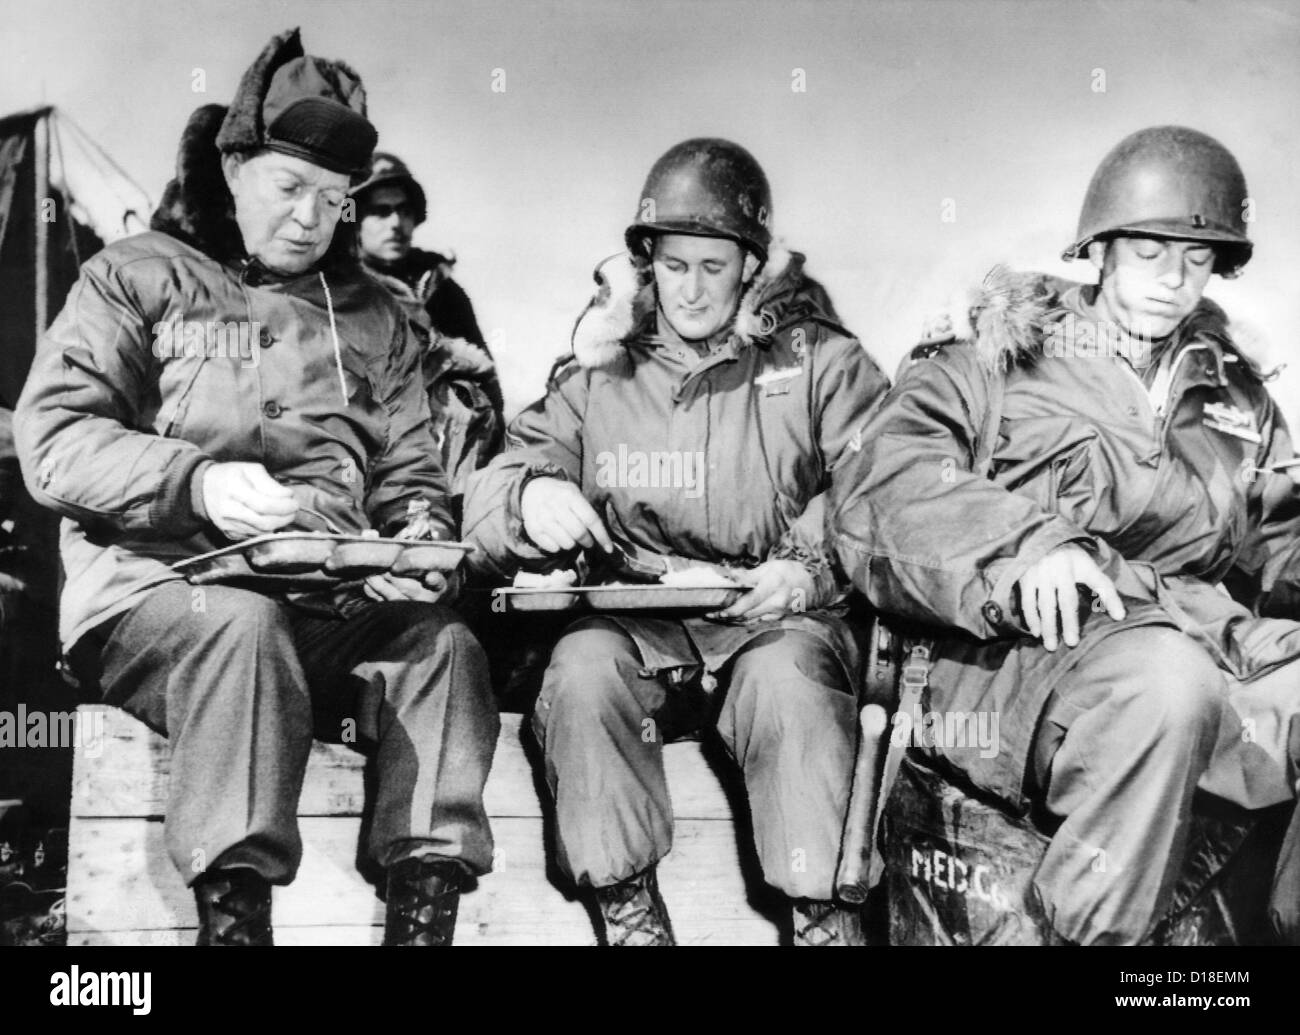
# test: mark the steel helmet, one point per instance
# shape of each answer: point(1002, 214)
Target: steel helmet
point(705, 187)
point(1170, 182)
point(387, 168)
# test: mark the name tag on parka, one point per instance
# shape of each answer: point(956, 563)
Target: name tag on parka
point(1231, 420)
point(777, 382)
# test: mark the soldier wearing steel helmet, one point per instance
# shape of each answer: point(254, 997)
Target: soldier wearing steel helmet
point(464, 392)
point(706, 343)
point(1079, 496)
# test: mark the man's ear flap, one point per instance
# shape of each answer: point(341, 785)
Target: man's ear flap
point(230, 163)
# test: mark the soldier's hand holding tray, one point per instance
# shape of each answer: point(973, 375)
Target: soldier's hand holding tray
point(432, 589)
point(779, 587)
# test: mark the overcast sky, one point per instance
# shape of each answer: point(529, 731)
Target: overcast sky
point(995, 107)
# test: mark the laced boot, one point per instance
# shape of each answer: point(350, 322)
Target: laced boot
point(825, 923)
point(234, 908)
point(634, 912)
point(423, 898)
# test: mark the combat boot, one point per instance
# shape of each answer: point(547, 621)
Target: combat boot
point(634, 912)
point(234, 908)
point(423, 899)
point(825, 923)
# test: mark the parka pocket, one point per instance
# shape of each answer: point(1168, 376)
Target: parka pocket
point(176, 387)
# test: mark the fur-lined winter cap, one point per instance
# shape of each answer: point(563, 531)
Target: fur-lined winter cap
point(300, 105)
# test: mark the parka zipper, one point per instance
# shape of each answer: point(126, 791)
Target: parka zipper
point(1163, 411)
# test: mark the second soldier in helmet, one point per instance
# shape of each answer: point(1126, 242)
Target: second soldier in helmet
point(460, 377)
point(708, 346)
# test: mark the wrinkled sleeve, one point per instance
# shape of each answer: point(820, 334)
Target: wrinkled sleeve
point(78, 425)
point(409, 469)
point(545, 440)
point(847, 385)
point(912, 524)
point(1268, 567)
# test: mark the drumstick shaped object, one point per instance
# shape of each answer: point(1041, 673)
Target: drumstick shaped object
point(851, 879)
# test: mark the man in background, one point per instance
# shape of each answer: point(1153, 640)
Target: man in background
point(464, 393)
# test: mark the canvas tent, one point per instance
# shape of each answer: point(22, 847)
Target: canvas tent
point(61, 199)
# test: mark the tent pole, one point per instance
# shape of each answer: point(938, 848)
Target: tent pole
point(42, 159)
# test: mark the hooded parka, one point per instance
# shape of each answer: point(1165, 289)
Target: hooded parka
point(722, 456)
point(988, 456)
point(1168, 495)
point(175, 351)
point(756, 430)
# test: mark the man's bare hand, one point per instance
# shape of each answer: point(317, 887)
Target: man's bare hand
point(778, 588)
point(1049, 592)
point(558, 518)
point(399, 587)
point(243, 500)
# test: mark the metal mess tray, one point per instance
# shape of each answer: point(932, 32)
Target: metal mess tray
point(621, 597)
point(318, 560)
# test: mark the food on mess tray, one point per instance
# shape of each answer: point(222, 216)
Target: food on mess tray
point(290, 555)
point(697, 578)
point(551, 580)
point(363, 557)
point(421, 557)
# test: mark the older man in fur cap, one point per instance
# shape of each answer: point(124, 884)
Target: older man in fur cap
point(154, 453)
point(710, 396)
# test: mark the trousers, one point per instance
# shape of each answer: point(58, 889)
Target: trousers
point(239, 683)
point(782, 708)
point(1126, 739)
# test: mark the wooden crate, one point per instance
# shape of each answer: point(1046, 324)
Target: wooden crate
point(959, 869)
point(123, 890)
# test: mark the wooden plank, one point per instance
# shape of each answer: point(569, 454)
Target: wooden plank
point(129, 777)
point(123, 890)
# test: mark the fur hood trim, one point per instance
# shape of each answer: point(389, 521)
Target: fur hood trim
point(623, 307)
point(1008, 315)
point(1007, 318)
point(459, 356)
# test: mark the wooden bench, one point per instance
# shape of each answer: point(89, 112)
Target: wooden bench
point(123, 889)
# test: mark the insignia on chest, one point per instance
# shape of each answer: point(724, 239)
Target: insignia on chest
point(1231, 420)
point(777, 382)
